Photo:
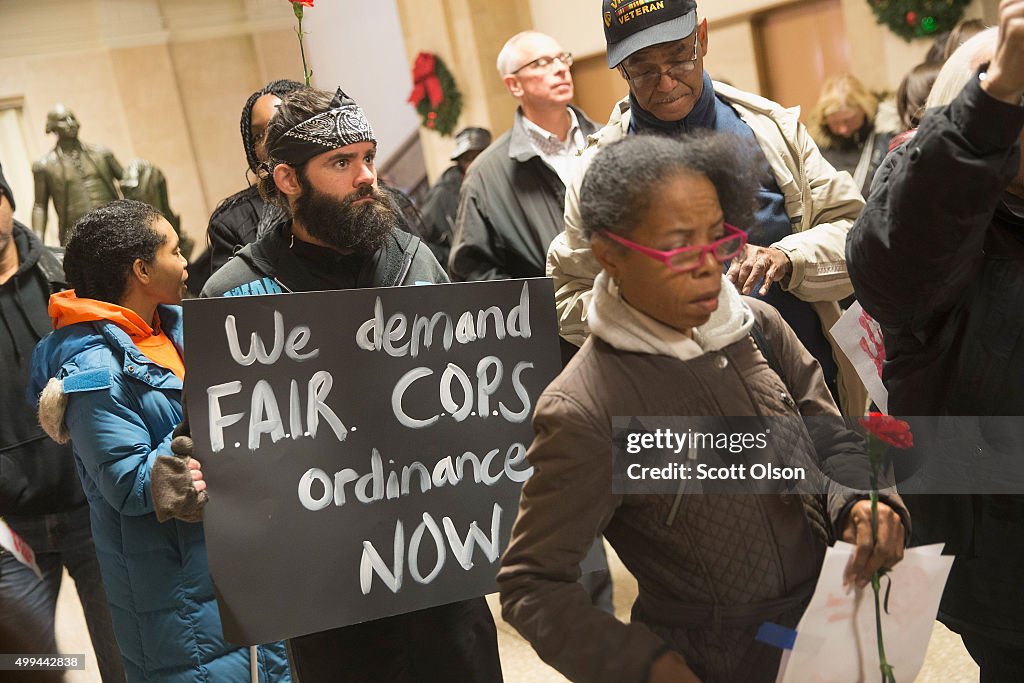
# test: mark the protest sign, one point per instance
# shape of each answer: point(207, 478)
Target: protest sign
point(364, 449)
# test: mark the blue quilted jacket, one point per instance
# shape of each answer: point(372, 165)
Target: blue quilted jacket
point(120, 411)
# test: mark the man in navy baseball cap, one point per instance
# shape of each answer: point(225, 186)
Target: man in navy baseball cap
point(795, 259)
point(632, 26)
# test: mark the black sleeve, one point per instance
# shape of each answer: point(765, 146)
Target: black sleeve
point(232, 226)
point(476, 250)
point(439, 209)
point(919, 241)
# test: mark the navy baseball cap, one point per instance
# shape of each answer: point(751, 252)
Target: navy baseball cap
point(632, 25)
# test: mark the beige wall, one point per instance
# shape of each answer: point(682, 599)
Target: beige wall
point(166, 79)
point(469, 33)
point(597, 88)
point(92, 93)
point(213, 100)
point(160, 79)
point(152, 106)
point(731, 55)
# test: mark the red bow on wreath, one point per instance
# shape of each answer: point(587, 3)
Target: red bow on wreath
point(425, 81)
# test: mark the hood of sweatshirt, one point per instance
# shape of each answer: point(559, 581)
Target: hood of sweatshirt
point(616, 322)
point(66, 308)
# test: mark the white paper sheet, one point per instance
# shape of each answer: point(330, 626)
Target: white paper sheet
point(13, 543)
point(860, 338)
point(836, 636)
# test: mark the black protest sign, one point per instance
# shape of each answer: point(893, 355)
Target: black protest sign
point(364, 449)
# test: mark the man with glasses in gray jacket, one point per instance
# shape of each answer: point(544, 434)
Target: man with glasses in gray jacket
point(513, 197)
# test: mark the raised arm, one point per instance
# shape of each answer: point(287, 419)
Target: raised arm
point(920, 240)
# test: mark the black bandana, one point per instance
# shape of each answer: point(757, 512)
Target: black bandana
point(341, 125)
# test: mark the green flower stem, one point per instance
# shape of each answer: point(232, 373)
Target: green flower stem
point(874, 510)
point(883, 663)
point(306, 73)
point(876, 578)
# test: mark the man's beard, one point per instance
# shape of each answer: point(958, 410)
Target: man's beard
point(361, 228)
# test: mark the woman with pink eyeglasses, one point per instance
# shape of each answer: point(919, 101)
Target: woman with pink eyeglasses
point(671, 336)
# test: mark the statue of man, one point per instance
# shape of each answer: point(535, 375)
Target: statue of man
point(77, 177)
point(145, 182)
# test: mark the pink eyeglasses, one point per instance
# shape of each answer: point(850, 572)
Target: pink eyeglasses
point(685, 259)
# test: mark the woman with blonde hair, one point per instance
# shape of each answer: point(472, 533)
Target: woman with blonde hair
point(852, 128)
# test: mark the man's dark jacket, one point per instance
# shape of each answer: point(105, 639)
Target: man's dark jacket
point(440, 208)
point(271, 265)
point(510, 209)
point(938, 260)
point(453, 642)
point(37, 476)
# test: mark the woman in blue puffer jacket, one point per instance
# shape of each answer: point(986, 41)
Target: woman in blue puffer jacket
point(112, 372)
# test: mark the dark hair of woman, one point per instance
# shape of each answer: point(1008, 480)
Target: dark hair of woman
point(278, 88)
point(626, 177)
point(105, 243)
point(937, 52)
point(913, 93)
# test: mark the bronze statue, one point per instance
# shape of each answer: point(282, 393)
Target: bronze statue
point(80, 177)
point(145, 182)
point(77, 177)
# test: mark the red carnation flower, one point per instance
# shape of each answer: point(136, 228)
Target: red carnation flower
point(889, 430)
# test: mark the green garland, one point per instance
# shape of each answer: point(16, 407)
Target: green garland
point(445, 116)
point(918, 19)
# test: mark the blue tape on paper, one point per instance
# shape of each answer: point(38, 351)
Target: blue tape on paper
point(776, 636)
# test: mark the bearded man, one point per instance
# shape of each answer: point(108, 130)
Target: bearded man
point(345, 233)
point(342, 232)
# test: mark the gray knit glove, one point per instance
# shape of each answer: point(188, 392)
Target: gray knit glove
point(174, 496)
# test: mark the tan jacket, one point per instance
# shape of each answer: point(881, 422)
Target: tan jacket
point(822, 205)
point(744, 558)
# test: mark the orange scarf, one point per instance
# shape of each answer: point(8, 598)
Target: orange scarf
point(67, 309)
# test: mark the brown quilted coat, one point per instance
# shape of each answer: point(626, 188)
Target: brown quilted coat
point(710, 574)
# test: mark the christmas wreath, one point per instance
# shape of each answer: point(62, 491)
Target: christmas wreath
point(434, 94)
point(918, 19)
